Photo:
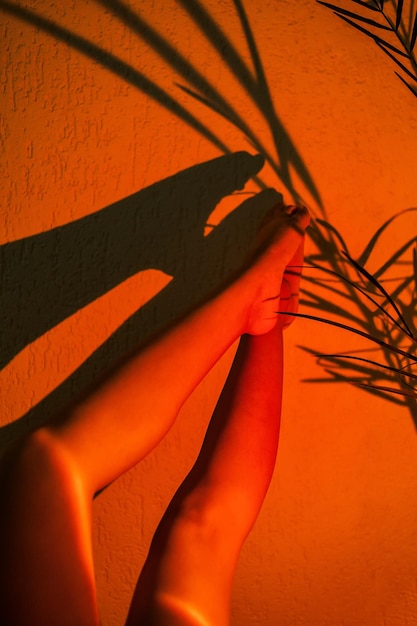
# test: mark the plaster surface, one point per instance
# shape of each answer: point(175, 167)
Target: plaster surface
point(335, 544)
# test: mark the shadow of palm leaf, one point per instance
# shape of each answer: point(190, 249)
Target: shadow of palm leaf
point(257, 88)
point(346, 280)
point(26, 264)
point(383, 316)
point(201, 88)
point(352, 373)
point(160, 227)
point(119, 67)
point(391, 30)
point(193, 282)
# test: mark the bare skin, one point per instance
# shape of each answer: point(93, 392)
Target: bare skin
point(48, 482)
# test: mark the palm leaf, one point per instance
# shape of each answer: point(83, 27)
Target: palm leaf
point(168, 53)
point(268, 110)
point(329, 227)
point(410, 87)
point(321, 304)
point(253, 49)
point(117, 66)
point(358, 369)
point(399, 14)
point(413, 34)
point(369, 276)
point(415, 265)
point(367, 5)
point(368, 388)
point(221, 43)
point(203, 90)
point(238, 123)
point(363, 258)
point(266, 106)
point(340, 277)
point(393, 58)
point(374, 37)
point(207, 102)
point(382, 289)
point(356, 16)
point(355, 331)
point(377, 392)
point(406, 394)
point(406, 282)
point(394, 258)
point(336, 378)
point(324, 284)
point(286, 151)
point(355, 19)
point(396, 370)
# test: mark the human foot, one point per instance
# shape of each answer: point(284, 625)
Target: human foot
point(278, 246)
point(290, 289)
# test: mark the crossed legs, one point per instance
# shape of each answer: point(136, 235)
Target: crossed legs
point(193, 555)
point(49, 480)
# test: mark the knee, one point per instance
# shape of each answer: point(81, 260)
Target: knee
point(24, 456)
point(32, 451)
point(34, 463)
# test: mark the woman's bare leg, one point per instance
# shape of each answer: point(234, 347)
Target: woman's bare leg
point(48, 482)
point(131, 410)
point(188, 574)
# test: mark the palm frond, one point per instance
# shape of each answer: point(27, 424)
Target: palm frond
point(124, 70)
point(330, 228)
point(373, 36)
point(366, 5)
point(206, 101)
point(360, 371)
point(320, 304)
point(363, 258)
point(405, 35)
point(396, 370)
point(367, 295)
point(266, 106)
point(394, 258)
point(406, 394)
point(324, 283)
point(356, 331)
point(382, 289)
point(415, 265)
point(253, 49)
point(410, 87)
point(397, 61)
point(399, 13)
point(403, 285)
point(285, 148)
point(413, 34)
point(338, 11)
point(335, 376)
point(201, 88)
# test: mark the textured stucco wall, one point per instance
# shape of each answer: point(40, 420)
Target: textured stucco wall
point(335, 543)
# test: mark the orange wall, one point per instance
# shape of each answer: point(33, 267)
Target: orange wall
point(335, 544)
